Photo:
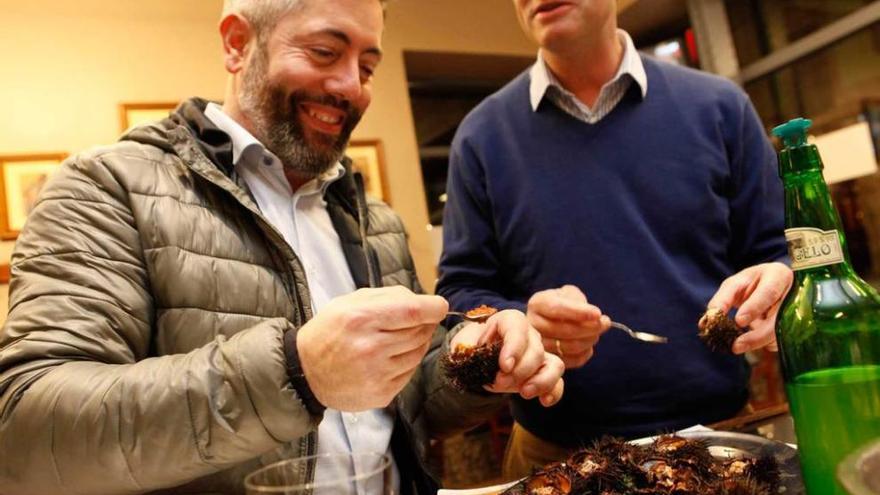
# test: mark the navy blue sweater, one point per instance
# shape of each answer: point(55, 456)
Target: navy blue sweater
point(646, 211)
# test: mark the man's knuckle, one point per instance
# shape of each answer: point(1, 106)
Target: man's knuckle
point(729, 282)
point(776, 294)
point(412, 311)
point(355, 319)
point(365, 348)
point(536, 302)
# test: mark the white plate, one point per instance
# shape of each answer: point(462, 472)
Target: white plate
point(485, 490)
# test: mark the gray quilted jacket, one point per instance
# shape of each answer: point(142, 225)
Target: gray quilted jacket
point(149, 304)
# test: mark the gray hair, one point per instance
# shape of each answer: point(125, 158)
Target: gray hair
point(264, 14)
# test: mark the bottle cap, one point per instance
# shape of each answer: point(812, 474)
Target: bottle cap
point(794, 132)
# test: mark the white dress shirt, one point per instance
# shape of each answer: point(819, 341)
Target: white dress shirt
point(544, 84)
point(301, 217)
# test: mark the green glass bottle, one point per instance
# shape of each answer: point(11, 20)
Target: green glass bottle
point(828, 328)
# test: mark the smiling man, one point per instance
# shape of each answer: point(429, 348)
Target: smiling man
point(305, 99)
point(214, 292)
point(648, 187)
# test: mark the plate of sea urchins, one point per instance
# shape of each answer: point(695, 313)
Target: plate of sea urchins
point(686, 463)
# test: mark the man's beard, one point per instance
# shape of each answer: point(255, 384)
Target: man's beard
point(275, 116)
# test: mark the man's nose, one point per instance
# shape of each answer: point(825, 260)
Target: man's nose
point(345, 82)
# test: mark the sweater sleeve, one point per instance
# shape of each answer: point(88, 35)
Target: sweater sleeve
point(471, 271)
point(83, 405)
point(756, 204)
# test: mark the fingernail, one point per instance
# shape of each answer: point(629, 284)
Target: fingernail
point(529, 391)
point(508, 364)
point(744, 317)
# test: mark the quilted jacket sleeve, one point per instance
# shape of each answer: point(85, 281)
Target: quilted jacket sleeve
point(83, 409)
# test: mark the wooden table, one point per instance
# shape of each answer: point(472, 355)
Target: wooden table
point(773, 422)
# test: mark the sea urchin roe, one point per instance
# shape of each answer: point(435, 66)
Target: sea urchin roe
point(553, 480)
point(669, 443)
point(481, 312)
point(662, 474)
point(469, 368)
point(546, 490)
point(588, 466)
point(736, 467)
point(718, 331)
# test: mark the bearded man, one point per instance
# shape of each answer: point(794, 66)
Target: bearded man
point(214, 292)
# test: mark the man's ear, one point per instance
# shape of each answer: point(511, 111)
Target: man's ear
point(236, 33)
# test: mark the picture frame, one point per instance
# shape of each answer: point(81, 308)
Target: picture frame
point(368, 158)
point(872, 115)
point(21, 179)
point(132, 114)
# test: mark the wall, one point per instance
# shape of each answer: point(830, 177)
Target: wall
point(67, 65)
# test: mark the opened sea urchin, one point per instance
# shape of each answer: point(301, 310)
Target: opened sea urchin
point(718, 331)
point(470, 368)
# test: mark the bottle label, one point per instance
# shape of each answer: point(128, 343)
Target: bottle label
point(810, 247)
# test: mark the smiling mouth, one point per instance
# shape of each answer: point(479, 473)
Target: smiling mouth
point(325, 117)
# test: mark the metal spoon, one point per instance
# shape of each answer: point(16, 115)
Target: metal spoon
point(464, 316)
point(643, 336)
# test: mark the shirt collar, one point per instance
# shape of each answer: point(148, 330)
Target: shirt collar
point(244, 144)
point(241, 138)
point(631, 64)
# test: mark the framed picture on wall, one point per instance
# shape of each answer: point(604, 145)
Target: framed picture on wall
point(134, 114)
point(21, 179)
point(872, 114)
point(368, 158)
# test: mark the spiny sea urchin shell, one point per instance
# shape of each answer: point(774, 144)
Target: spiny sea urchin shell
point(766, 470)
point(718, 331)
point(556, 479)
point(620, 449)
point(470, 368)
point(597, 472)
point(683, 453)
point(741, 486)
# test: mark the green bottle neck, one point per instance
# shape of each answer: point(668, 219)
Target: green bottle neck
point(808, 201)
